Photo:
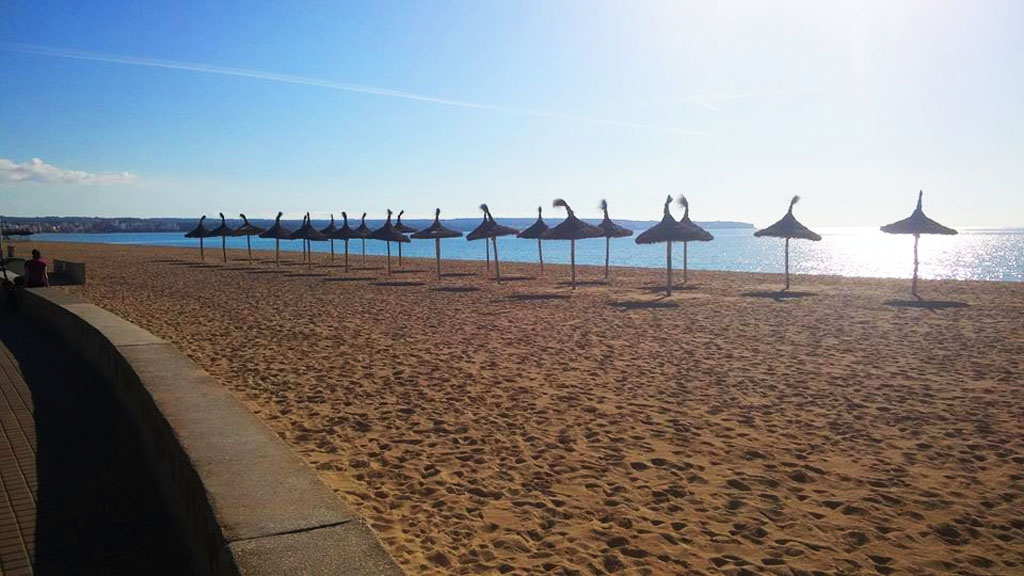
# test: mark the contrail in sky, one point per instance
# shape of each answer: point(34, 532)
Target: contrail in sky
point(319, 83)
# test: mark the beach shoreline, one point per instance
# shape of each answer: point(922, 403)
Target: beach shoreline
point(843, 426)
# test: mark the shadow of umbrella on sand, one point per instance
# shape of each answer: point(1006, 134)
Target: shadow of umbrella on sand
point(436, 231)
point(364, 232)
point(388, 234)
point(223, 231)
point(788, 227)
point(278, 232)
point(404, 230)
point(693, 232)
point(536, 230)
point(667, 231)
point(345, 233)
point(490, 229)
point(201, 232)
point(611, 230)
point(917, 224)
point(571, 229)
point(247, 230)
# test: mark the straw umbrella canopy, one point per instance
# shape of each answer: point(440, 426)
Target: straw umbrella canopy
point(278, 232)
point(329, 231)
point(667, 231)
point(308, 234)
point(788, 227)
point(917, 224)
point(223, 231)
point(537, 230)
point(611, 230)
point(404, 230)
point(693, 231)
point(436, 231)
point(346, 233)
point(364, 233)
point(388, 234)
point(489, 229)
point(200, 231)
point(248, 230)
point(571, 229)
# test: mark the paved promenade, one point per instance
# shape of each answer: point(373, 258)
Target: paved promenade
point(77, 497)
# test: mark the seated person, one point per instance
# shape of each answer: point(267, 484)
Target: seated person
point(35, 272)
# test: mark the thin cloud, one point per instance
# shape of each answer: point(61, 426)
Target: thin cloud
point(36, 171)
point(320, 83)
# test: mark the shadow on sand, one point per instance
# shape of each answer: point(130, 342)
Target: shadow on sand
point(347, 278)
point(365, 268)
point(456, 289)
point(927, 304)
point(457, 274)
point(304, 275)
point(398, 284)
point(193, 265)
point(660, 289)
point(584, 283)
point(513, 278)
point(265, 271)
point(407, 271)
point(641, 304)
point(530, 297)
point(163, 261)
point(780, 295)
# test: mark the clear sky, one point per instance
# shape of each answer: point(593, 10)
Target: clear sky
point(181, 108)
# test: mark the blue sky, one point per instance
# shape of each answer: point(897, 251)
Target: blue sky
point(199, 107)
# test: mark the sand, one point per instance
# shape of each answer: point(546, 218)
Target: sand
point(523, 427)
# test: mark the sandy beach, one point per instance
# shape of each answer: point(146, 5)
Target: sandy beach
point(528, 428)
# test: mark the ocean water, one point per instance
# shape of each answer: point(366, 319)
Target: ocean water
point(974, 254)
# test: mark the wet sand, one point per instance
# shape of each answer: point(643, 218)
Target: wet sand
point(524, 427)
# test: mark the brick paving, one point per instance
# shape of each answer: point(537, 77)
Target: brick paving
point(75, 495)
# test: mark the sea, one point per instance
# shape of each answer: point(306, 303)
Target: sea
point(995, 254)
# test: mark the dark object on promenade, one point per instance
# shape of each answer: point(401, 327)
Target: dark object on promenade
point(536, 230)
point(201, 232)
point(278, 232)
point(308, 234)
point(667, 231)
point(329, 231)
point(437, 231)
point(693, 232)
point(571, 229)
point(364, 232)
point(247, 230)
point(345, 233)
point(788, 228)
point(223, 231)
point(491, 229)
point(917, 224)
point(404, 230)
point(611, 230)
point(387, 233)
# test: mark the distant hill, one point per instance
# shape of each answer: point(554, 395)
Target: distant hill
point(82, 224)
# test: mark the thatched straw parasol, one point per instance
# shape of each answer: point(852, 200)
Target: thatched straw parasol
point(247, 230)
point(346, 233)
point(200, 231)
point(667, 231)
point(308, 234)
point(788, 228)
point(611, 230)
point(491, 229)
point(693, 232)
point(571, 229)
point(388, 234)
point(329, 231)
point(917, 224)
point(223, 231)
point(278, 232)
point(537, 230)
point(437, 231)
point(404, 230)
point(364, 232)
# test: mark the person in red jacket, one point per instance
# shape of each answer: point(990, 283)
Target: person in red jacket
point(35, 272)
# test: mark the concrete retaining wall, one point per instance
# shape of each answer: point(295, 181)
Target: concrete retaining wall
point(245, 503)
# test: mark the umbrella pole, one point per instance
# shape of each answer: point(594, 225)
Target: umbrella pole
point(437, 253)
point(202, 255)
point(497, 270)
point(248, 247)
point(346, 254)
point(668, 267)
point(913, 284)
point(684, 262)
point(487, 249)
point(389, 257)
point(332, 251)
point(224, 247)
point(277, 252)
point(399, 254)
point(540, 255)
point(607, 251)
point(572, 261)
point(787, 263)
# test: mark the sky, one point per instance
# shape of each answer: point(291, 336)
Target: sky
point(187, 108)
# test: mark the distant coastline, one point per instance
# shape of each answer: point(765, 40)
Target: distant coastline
point(100, 225)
